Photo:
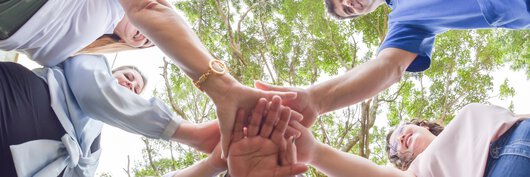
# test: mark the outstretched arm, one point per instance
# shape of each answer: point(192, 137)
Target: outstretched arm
point(208, 167)
point(363, 81)
point(336, 163)
point(333, 162)
point(169, 31)
point(360, 83)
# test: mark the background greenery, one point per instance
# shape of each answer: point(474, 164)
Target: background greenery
point(294, 43)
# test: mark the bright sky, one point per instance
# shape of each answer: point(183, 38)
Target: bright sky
point(118, 144)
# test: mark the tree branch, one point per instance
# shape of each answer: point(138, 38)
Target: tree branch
point(174, 105)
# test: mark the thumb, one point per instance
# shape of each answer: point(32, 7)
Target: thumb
point(283, 95)
point(267, 87)
point(291, 170)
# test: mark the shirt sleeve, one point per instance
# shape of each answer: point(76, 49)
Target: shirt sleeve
point(101, 97)
point(412, 38)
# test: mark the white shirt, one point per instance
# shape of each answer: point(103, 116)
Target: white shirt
point(461, 150)
point(60, 28)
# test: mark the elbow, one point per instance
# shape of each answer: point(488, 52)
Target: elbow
point(148, 14)
point(399, 71)
point(139, 7)
point(395, 62)
point(395, 71)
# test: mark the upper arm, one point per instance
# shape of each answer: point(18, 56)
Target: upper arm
point(100, 97)
point(396, 57)
point(404, 40)
point(132, 7)
point(388, 171)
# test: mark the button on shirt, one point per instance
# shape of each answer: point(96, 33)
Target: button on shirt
point(414, 24)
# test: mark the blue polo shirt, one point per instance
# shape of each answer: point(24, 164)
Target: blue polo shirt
point(414, 24)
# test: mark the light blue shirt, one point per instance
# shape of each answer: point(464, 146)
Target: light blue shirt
point(84, 95)
point(414, 24)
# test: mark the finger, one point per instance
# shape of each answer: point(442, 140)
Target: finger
point(285, 154)
point(284, 95)
point(297, 126)
point(290, 131)
point(296, 116)
point(291, 170)
point(282, 125)
point(268, 87)
point(291, 151)
point(278, 132)
point(255, 120)
point(238, 133)
point(272, 118)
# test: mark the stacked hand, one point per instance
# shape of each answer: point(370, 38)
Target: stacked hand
point(237, 96)
point(261, 146)
point(262, 150)
point(303, 102)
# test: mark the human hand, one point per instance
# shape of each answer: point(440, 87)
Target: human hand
point(208, 136)
point(303, 102)
point(257, 154)
point(202, 137)
point(235, 96)
point(306, 144)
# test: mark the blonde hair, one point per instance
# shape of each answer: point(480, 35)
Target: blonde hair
point(107, 43)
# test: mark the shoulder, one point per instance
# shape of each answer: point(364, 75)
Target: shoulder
point(87, 59)
point(85, 64)
point(478, 109)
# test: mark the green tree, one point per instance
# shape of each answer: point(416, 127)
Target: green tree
point(294, 43)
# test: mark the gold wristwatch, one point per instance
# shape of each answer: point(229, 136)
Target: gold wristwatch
point(216, 67)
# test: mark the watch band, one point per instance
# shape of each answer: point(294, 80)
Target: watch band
point(211, 70)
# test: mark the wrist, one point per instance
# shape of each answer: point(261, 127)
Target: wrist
point(210, 163)
point(318, 152)
point(217, 86)
point(209, 166)
point(316, 99)
point(185, 134)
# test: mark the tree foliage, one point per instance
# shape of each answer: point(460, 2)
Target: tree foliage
point(294, 43)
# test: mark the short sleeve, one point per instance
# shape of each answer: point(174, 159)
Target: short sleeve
point(412, 38)
point(101, 97)
point(116, 12)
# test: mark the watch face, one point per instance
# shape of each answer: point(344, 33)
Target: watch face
point(218, 66)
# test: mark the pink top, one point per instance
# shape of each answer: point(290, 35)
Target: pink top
point(461, 150)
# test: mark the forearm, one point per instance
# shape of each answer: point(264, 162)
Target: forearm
point(203, 136)
point(336, 163)
point(186, 134)
point(170, 32)
point(200, 169)
point(361, 82)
